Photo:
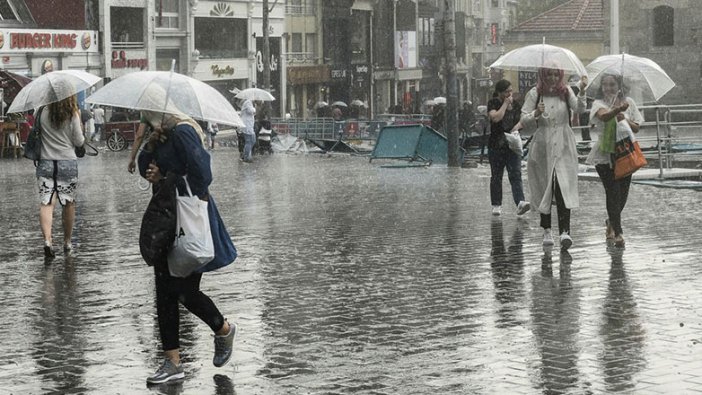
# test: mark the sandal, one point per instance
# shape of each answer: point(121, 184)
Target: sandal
point(609, 233)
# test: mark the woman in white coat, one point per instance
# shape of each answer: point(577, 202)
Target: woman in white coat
point(552, 166)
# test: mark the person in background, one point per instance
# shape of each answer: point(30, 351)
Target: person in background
point(552, 166)
point(57, 171)
point(212, 130)
point(99, 119)
point(504, 114)
point(86, 117)
point(136, 145)
point(609, 108)
point(175, 149)
point(248, 112)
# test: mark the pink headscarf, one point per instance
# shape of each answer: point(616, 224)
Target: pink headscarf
point(560, 89)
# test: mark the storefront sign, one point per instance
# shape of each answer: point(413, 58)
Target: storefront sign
point(120, 61)
point(300, 75)
point(339, 74)
point(360, 72)
point(219, 71)
point(38, 40)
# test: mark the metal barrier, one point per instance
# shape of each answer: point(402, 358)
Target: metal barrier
point(677, 130)
point(350, 129)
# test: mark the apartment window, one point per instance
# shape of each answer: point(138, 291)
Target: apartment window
point(495, 3)
point(426, 31)
point(296, 42)
point(311, 44)
point(218, 38)
point(167, 14)
point(663, 23)
point(7, 13)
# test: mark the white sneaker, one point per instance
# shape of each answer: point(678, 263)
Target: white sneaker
point(496, 210)
point(566, 241)
point(523, 207)
point(548, 239)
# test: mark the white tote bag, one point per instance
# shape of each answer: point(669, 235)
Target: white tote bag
point(193, 247)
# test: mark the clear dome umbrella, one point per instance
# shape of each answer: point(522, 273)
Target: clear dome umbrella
point(52, 87)
point(534, 57)
point(168, 92)
point(643, 79)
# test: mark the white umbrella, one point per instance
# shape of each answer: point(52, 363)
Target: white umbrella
point(439, 100)
point(255, 94)
point(534, 57)
point(358, 103)
point(321, 104)
point(52, 87)
point(339, 103)
point(167, 92)
point(645, 80)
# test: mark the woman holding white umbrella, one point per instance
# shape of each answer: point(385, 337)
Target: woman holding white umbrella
point(57, 171)
point(552, 166)
point(176, 150)
point(610, 108)
point(615, 79)
point(54, 95)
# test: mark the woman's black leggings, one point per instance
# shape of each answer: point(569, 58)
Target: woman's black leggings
point(171, 290)
point(616, 194)
point(563, 212)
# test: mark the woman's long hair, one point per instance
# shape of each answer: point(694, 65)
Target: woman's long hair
point(61, 111)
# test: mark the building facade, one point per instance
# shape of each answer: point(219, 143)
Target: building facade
point(35, 38)
point(669, 33)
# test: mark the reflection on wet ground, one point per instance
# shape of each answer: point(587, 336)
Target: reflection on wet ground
point(358, 279)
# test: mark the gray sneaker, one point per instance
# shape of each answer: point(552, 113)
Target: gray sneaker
point(223, 347)
point(167, 372)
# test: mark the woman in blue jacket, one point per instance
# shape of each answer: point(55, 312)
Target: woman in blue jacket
point(176, 149)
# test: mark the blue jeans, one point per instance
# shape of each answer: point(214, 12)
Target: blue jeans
point(499, 159)
point(249, 141)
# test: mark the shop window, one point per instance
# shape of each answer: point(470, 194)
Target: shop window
point(165, 58)
point(218, 38)
point(663, 26)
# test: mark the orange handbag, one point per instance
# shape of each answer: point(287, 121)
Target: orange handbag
point(627, 158)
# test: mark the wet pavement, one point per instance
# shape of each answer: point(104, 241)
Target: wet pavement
point(357, 279)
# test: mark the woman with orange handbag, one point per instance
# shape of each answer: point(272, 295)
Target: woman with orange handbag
point(610, 107)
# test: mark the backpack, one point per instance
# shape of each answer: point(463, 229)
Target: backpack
point(32, 148)
point(158, 224)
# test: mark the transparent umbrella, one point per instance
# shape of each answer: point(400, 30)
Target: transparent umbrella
point(255, 94)
point(52, 87)
point(358, 103)
point(533, 57)
point(439, 100)
point(644, 80)
point(167, 92)
point(339, 103)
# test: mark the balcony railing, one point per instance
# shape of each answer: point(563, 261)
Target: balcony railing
point(301, 57)
point(304, 9)
point(127, 45)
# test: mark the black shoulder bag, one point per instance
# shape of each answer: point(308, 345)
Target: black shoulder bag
point(32, 148)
